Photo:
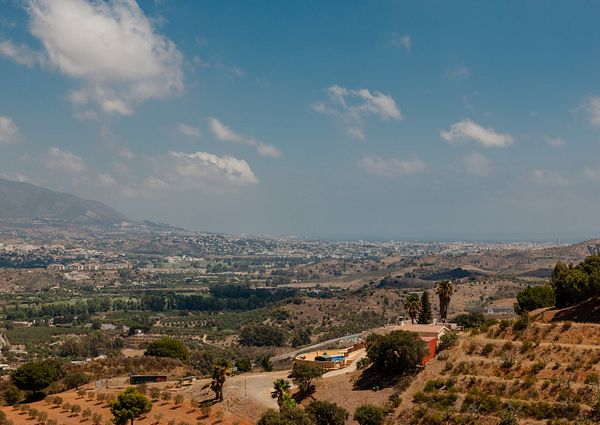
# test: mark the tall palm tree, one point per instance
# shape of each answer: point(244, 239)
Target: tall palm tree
point(281, 388)
point(219, 374)
point(412, 305)
point(444, 289)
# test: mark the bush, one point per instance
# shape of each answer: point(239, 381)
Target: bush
point(11, 395)
point(76, 379)
point(522, 323)
point(369, 414)
point(287, 416)
point(471, 320)
point(447, 341)
point(168, 347)
point(398, 352)
point(243, 365)
point(326, 413)
point(487, 349)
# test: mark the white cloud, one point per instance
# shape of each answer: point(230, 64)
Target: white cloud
point(352, 106)
point(391, 167)
point(476, 164)
point(203, 170)
point(9, 132)
point(112, 47)
point(225, 134)
point(68, 162)
point(467, 130)
point(401, 41)
point(458, 72)
point(592, 108)
point(188, 130)
point(555, 141)
point(21, 54)
point(155, 183)
point(106, 180)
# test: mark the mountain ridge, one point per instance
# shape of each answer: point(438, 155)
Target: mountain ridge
point(22, 200)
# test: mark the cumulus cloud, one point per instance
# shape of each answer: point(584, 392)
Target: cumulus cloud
point(9, 132)
point(401, 41)
point(111, 47)
point(352, 106)
point(225, 134)
point(391, 167)
point(555, 141)
point(476, 164)
point(203, 170)
point(68, 162)
point(468, 130)
point(188, 130)
point(591, 107)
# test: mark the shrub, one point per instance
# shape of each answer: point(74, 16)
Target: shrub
point(447, 341)
point(369, 414)
point(487, 349)
point(398, 352)
point(326, 413)
point(522, 323)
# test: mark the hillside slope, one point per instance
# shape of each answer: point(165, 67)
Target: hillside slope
point(20, 200)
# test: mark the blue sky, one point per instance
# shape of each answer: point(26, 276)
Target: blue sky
point(340, 119)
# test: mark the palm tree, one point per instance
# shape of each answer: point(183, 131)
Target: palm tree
point(444, 289)
point(281, 388)
point(219, 374)
point(412, 305)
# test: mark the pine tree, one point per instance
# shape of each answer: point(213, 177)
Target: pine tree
point(425, 315)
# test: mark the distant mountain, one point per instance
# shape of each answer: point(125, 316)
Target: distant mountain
point(19, 200)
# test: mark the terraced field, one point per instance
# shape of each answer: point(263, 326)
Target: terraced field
point(536, 374)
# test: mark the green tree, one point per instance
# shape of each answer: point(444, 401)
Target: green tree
point(75, 380)
point(129, 405)
point(221, 369)
point(444, 290)
point(286, 416)
point(534, 297)
point(37, 375)
point(397, 352)
point(304, 375)
point(412, 305)
point(281, 388)
point(168, 347)
point(425, 314)
point(369, 414)
point(326, 413)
